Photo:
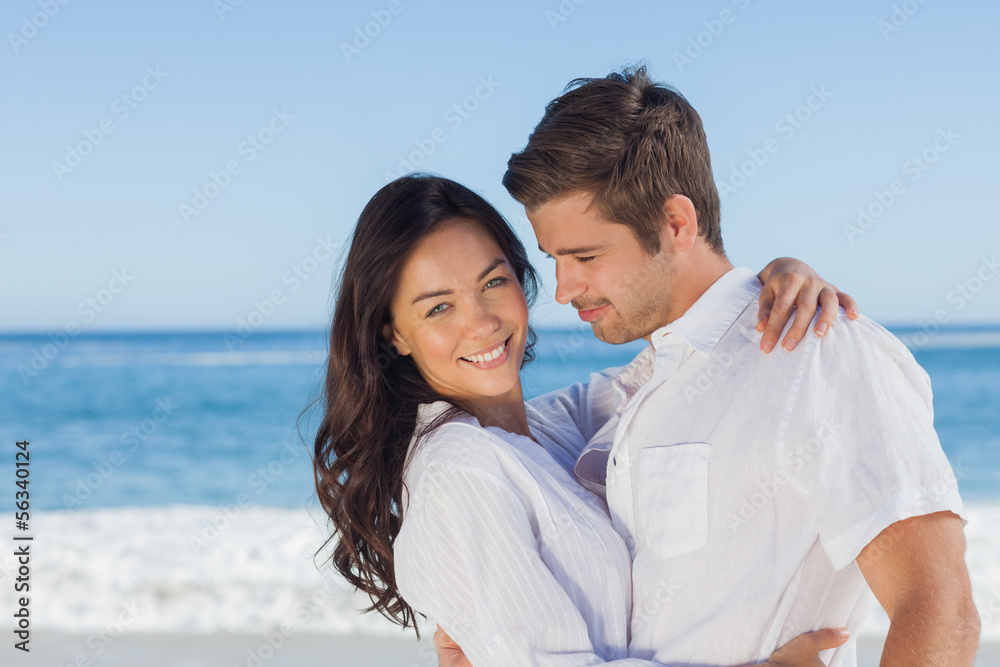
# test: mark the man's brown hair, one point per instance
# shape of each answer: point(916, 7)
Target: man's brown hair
point(629, 141)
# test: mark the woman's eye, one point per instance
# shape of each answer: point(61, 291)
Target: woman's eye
point(496, 282)
point(438, 309)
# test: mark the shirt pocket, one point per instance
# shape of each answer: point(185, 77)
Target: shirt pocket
point(673, 497)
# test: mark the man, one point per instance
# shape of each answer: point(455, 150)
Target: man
point(761, 496)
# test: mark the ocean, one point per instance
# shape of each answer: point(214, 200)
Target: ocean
point(170, 483)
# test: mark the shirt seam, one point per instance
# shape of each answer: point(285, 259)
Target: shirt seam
point(872, 523)
point(792, 401)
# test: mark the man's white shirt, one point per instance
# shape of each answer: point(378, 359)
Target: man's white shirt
point(745, 484)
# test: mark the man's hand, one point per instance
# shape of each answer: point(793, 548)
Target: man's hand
point(916, 568)
point(803, 651)
point(790, 283)
point(449, 653)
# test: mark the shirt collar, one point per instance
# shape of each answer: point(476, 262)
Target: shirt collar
point(428, 412)
point(711, 316)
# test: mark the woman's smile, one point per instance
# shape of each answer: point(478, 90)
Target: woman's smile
point(493, 357)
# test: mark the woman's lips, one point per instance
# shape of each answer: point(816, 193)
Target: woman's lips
point(493, 363)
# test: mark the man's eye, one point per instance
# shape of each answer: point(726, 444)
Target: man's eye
point(438, 309)
point(584, 260)
point(496, 282)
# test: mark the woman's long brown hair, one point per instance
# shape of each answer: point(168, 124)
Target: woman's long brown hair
point(371, 393)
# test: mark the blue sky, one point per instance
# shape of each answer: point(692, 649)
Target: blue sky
point(183, 165)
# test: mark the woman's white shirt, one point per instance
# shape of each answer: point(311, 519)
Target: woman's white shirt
point(503, 549)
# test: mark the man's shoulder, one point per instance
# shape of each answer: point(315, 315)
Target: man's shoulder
point(846, 340)
point(861, 341)
point(853, 354)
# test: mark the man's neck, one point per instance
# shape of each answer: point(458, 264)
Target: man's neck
point(701, 269)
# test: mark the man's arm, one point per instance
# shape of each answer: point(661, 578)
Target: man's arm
point(916, 568)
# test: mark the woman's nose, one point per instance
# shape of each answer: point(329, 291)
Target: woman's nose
point(482, 321)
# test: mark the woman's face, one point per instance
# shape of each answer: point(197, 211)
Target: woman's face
point(460, 313)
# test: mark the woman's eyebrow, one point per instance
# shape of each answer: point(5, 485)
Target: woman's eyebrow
point(489, 269)
point(431, 295)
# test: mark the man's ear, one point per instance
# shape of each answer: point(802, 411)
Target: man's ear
point(680, 224)
point(390, 334)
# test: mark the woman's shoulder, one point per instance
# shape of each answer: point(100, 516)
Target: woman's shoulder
point(449, 460)
point(453, 441)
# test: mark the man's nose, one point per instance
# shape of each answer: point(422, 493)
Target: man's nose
point(568, 283)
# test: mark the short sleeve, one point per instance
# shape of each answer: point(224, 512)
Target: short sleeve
point(860, 439)
point(467, 557)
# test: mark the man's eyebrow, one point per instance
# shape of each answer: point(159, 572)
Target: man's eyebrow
point(488, 271)
point(582, 250)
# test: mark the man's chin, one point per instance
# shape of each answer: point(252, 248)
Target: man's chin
point(612, 329)
point(611, 334)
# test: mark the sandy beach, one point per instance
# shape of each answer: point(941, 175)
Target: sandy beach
point(223, 650)
point(870, 648)
point(234, 650)
point(170, 607)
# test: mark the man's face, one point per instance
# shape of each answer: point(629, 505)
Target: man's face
point(619, 288)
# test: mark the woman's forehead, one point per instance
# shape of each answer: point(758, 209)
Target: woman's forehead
point(455, 255)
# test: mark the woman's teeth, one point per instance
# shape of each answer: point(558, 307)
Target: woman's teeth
point(489, 356)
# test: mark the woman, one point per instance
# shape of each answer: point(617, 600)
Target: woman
point(428, 460)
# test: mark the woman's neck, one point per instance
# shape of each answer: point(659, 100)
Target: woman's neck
point(505, 411)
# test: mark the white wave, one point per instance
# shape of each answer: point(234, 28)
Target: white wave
point(185, 569)
point(189, 569)
point(268, 358)
point(950, 340)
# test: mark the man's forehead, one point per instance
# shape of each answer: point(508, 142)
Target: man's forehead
point(578, 202)
point(570, 225)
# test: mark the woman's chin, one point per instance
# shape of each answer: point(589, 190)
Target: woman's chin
point(497, 386)
point(495, 389)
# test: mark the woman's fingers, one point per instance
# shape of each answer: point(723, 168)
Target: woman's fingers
point(829, 306)
point(449, 653)
point(776, 302)
point(806, 305)
point(828, 638)
point(805, 296)
point(803, 651)
point(849, 304)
